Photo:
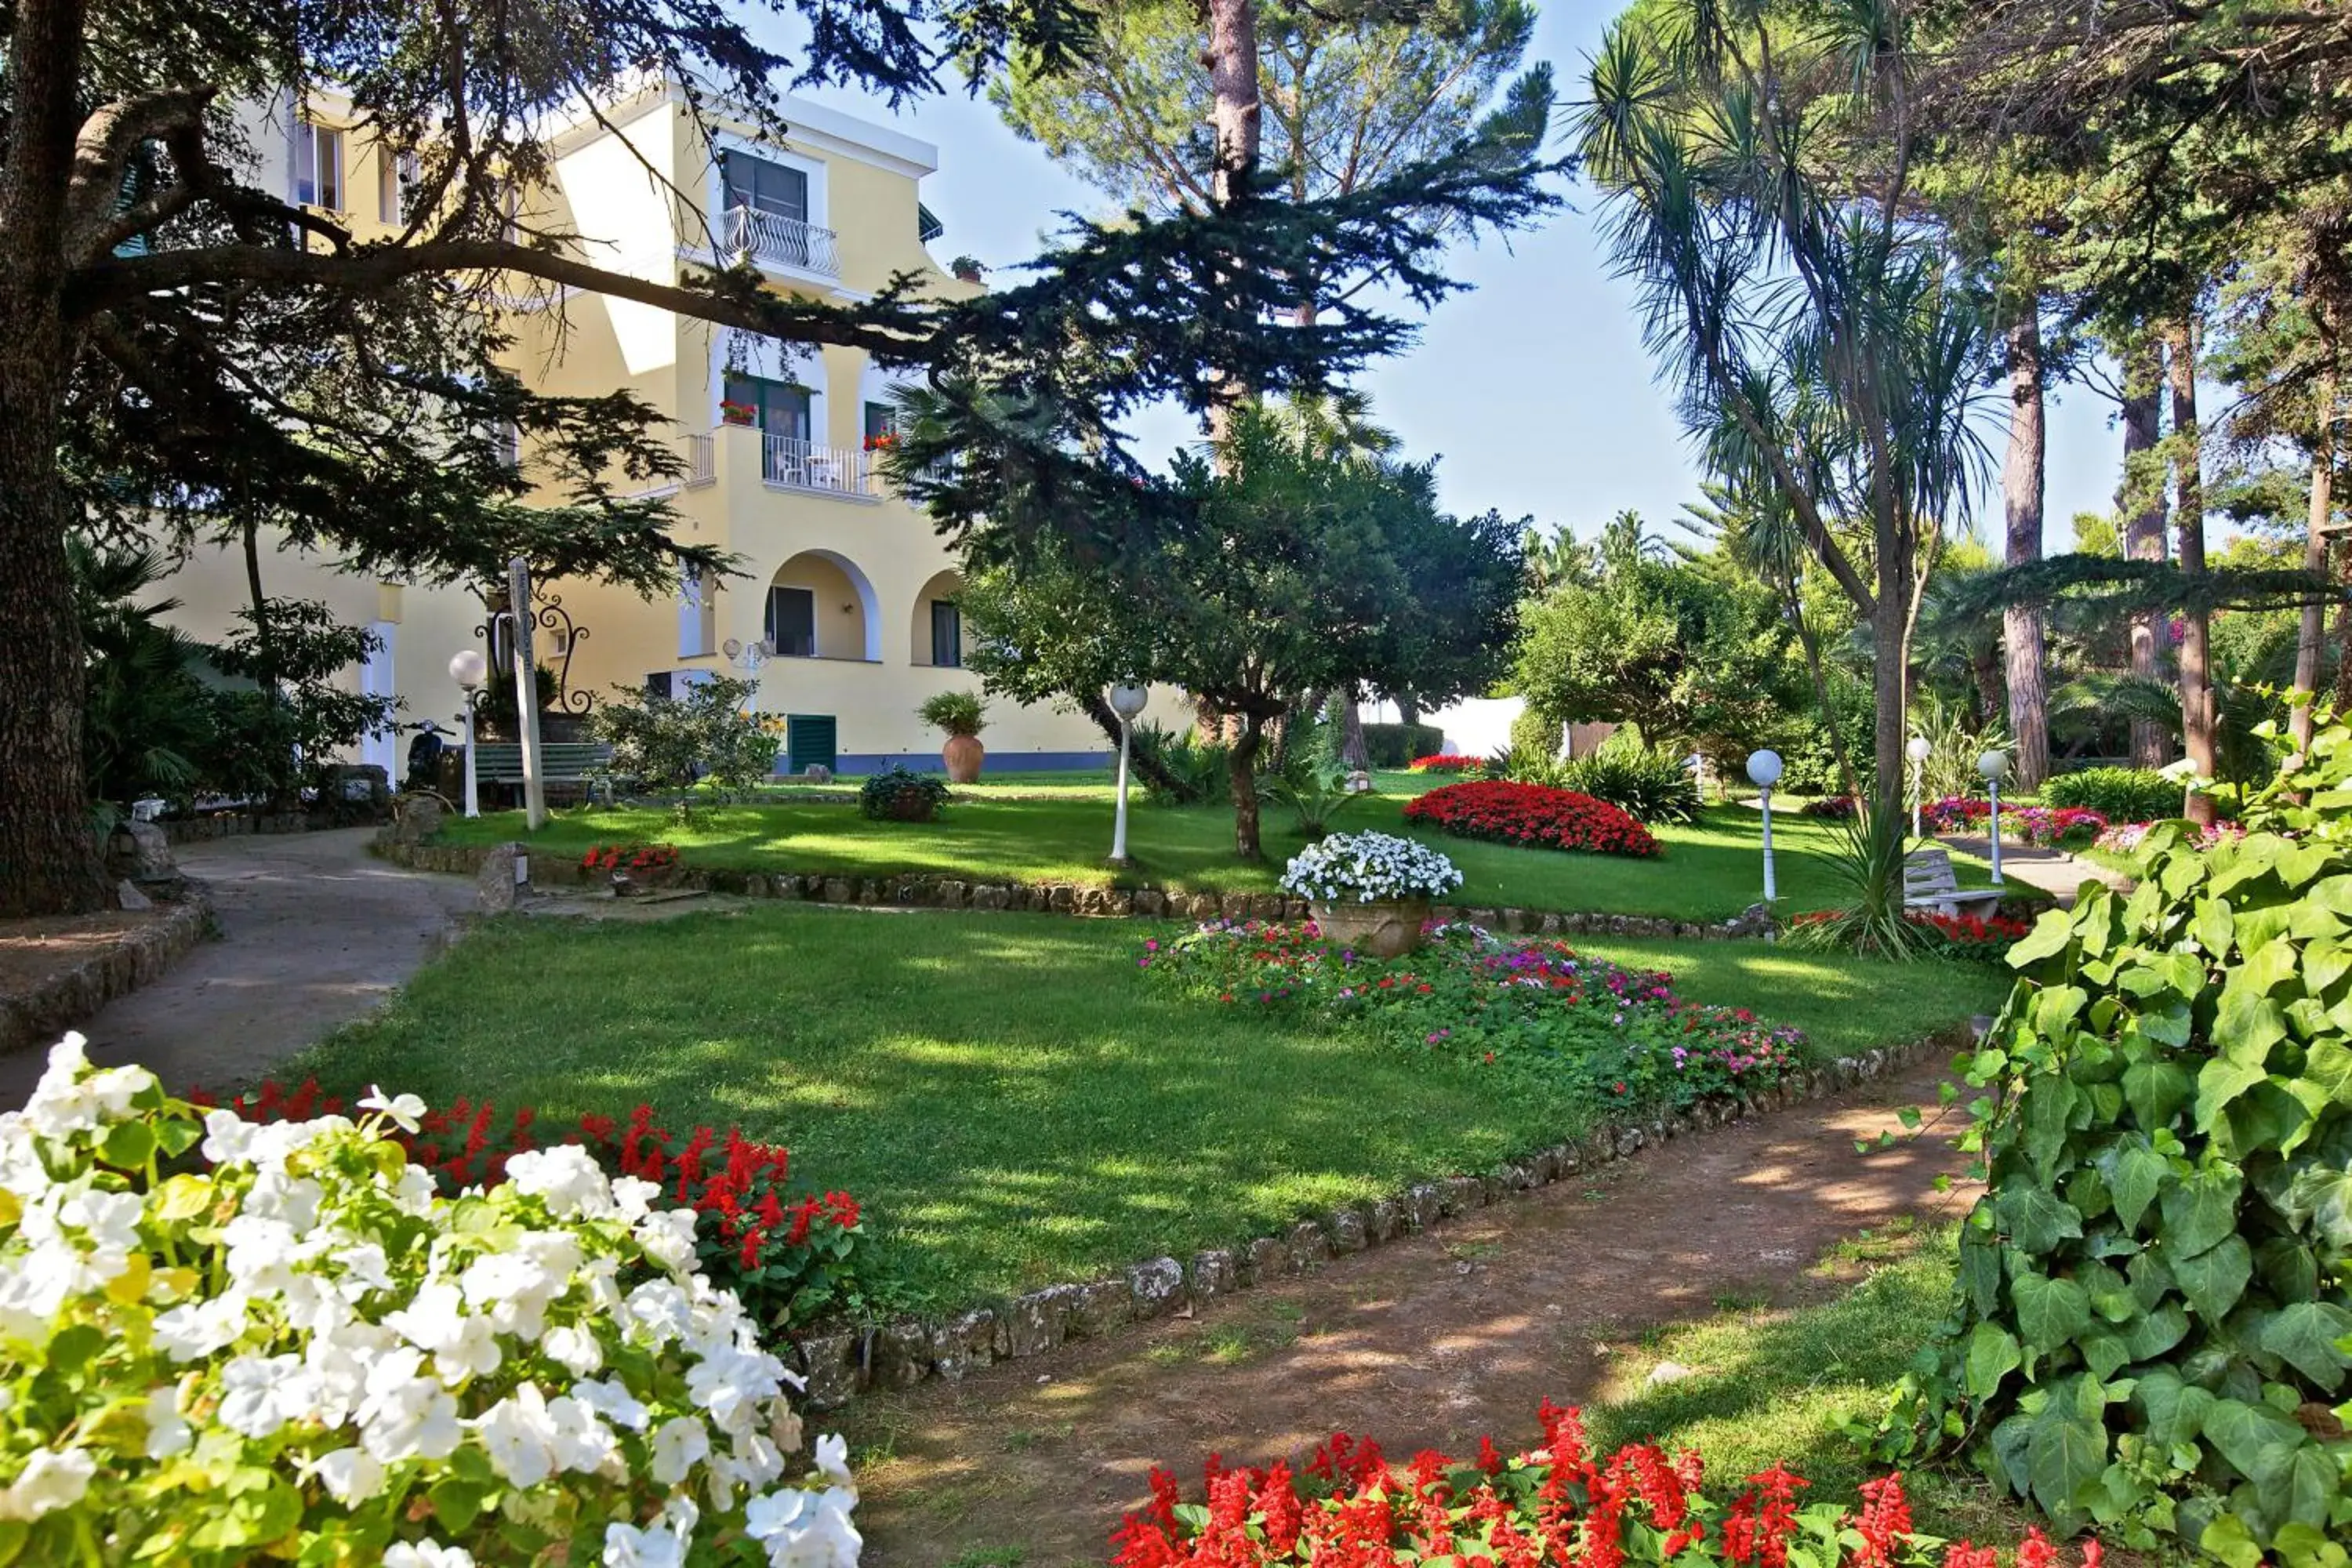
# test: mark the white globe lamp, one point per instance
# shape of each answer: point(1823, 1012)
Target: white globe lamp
point(1764, 771)
point(469, 670)
point(1918, 749)
point(1994, 766)
point(1127, 700)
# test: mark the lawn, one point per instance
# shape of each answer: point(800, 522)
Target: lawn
point(1014, 1101)
point(1709, 871)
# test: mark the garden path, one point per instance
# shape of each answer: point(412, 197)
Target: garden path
point(1429, 1342)
point(2055, 872)
point(314, 931)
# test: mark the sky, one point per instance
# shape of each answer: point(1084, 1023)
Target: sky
point(1533, 389)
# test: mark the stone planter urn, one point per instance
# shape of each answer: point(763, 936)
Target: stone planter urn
point(963, 756)
point(1385, 928)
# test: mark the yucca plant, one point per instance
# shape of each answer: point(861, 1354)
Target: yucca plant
point(1869, 859)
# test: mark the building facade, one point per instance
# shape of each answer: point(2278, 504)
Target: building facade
point(845, 611)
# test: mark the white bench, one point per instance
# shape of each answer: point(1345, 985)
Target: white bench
point(1929, 883)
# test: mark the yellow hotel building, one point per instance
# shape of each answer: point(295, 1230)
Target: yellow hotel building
point(848, 584)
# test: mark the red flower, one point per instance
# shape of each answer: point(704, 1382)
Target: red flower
point(1531, 814)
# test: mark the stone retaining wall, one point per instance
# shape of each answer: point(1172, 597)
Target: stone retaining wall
point(902, 1354)
point(240, 824)
point(65, 998)
point(934, 891)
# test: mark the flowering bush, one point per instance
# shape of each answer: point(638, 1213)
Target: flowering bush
point(2126, 838)
point(638, 859)
point(1560, 1503)
point(790, 1258)
point(1531, 814)
point(1983, 937)
point(1829, 808)
point(1448, 763)
point(225, 1341)
point(2041, 826)
point(1359, 867)
point(1532, 1011)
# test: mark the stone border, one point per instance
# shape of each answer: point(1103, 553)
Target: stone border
point(925, 890)
point(241, 825)
point(70, 996)
point(910, 1350)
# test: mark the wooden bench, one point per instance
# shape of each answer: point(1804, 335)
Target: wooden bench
point(1929, 883)
point(566, 764)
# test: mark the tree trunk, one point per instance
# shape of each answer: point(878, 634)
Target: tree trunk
point(1241, 768)
point(2197, 715)
point(1237, 117)
point(2313, 633)
point(50, 861)
point(2140, 499)
point(2022, 481)
point(1351, 733)
point(1890, 623)
point(1144, 765)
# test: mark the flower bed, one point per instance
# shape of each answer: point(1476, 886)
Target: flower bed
point(1534, 815)
point(2126, 838)
point(1830, 808)
point(2041, 826)
point(790, 1259)
point(1448, 763)
point(229, 1343)
point(1983, 937)
point(1560, 1503)
point(1613, 1037)
point(638, 859)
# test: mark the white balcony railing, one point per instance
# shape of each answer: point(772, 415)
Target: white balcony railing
point(785, 241)
point(701, 460)
point(805, 464)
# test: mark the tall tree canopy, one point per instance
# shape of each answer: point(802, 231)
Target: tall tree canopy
point(164, 317)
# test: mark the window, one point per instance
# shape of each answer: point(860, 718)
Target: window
point(318, 166)
point(698, 617)
point(782, 412)
point(792, 622)
point(881, 419)
point(396, 175)
point(947, 634)
point(765, 187)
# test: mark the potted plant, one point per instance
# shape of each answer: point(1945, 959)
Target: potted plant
point(896, 794)
point(961, 716)
point(734, 412)
point(1371, 891)
point(966, 267)
point(632, 868)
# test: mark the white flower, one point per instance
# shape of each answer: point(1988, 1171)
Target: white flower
point(228, 1137)
point(352, 1476)
point(580, 1442)
point(567, 1177)
point(612, 1400)
point(634, 1196)
point(668, 1236)
point(426, 1554)
point(572, 1348)
point(520, 1438)
point(681, 1444)
point(832, 1456)
point(199, 1329)
point(49, 1481)
point(168, 1432)
point(257, 1394)
point(406, 1110)
point(802, 1530)
point(661, 1307)
point(625, 1546)
point(406, 1414)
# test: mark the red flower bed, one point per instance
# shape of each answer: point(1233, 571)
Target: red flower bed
point(1558, 1504)
point(785, 1255)
point(1448, 763)
point(639, 857)
point(1534, 814)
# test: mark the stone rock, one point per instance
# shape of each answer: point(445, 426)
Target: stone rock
point(987, 896)
point(1233, 906)
point(829, 1362)
point(1105, 1305)
point(1424, 1205)
point(1266, 1259)
point(141, 852)
point(1149, 902)
point(965, 1342)
point(901, 1355)
point(1157, 1287)
point(1628, 1139)
point(1348, 1232)
point(1039, 1322)
point(1566, 1160)
point(1461, 1193)
point(1308, 1244)
point(1667, 1371)
point(1212, 1274)
point(1122, 903)
point(416, 817)
point(817, 773)
point(1061, 898)
point(839, 890)
point(873, 891)
point(493, 884)
point(1543, 1167)
point(786, 887)
point(1549, 925)
point(954, 894)
point(128, 895)
point(1385, 1221)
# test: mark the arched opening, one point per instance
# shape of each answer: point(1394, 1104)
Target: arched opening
point(938, 634)
point(820, 605)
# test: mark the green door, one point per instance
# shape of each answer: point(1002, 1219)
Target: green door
point(809, 742)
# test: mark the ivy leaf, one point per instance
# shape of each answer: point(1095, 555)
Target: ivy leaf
point(2037, 1221)
point(2213, 926)
point(2305, 1336)
point(2267, 1116)
point(2328, 1195)
point(2324, 963)
point(2151, 1334)
point(2258, 1441)
point(2133, 1170)
point(1992, 1355)
point(2065, 1458)
point(1979, 1273)
point(2049, 936)
point(2156, 1090)
point(2328, 1065)
point(2221, 1080)
point(2215, 1277)
point(2175, 1408)
point(2200, 1209)
point(2050, 1311)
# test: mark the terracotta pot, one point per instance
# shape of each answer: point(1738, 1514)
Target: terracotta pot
point(962, 755)
point(1385, 928)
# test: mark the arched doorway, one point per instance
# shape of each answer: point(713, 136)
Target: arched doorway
point(820, 605)
point(937, 637)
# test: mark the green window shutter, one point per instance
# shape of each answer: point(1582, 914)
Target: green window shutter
point(809, 742)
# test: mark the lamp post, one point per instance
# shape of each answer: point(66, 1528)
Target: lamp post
point(469, 668)
point(1993, 765)
point(1764, 771)
point(1918, 749)
point(1127, 701)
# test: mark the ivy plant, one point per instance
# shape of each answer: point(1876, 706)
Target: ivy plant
point(2152, 1329)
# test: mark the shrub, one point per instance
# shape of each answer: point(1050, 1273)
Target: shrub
point(2153, 1306)
point(712, 731)
point(1314, 797)
point(790, 1259)
point(1359, 867)
point(1829, 808)
point(1447, 763)
point(1560, 1503)
point(2127, 837)
point(1650, 786)
point(229, 1344)
point(1985, 938)
point(1179, 768)
point(899, 794)
point(1534, 814)
point(1537, 1015)
point(954, 713)
point(1395, 745)
point(2119, 794)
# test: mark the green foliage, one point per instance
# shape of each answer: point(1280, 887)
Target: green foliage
point(2119, 794)
point(1648, 785)
point(954, 712)
point(1189, 769)
point(273, 739)
point(712, 732)
point(146, 720)
point(1314, 798)
point(1951, 766)
point(2154, 1316)
point(1394, 746)
point(1533, 734)
point(899, 794)
point(1871, 919)
point(500, 715)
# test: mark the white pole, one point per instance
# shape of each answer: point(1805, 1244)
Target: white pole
point(534, 783)
point(1118, 827)
point(472, 782)
point(1918, 794)
point(1770, 891)
point(1993, 786)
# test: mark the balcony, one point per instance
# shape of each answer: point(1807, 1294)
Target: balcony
point(805, 466)
point(778, 241)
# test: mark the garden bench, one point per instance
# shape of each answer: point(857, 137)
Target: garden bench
point(560, 762)
point(1929, 883)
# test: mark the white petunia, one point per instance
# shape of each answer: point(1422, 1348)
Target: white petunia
point(260, 1394)
point(635, 1197)
point(680, 1443)
point(612, 1400)
point(572, 1348)
point(520, 1438)
point(352, 1476)
point(668, 1236)
point(50, 1481)
point(406, 1110)
point(627, 1546)
point(832, 1456)
point(168, 1432)
point(199, 1329)
point(566, 1178)
point(228, 1137)
point(426, 1554)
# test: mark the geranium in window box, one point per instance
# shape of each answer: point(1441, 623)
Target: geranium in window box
point(732, 412)
point(1371, 891)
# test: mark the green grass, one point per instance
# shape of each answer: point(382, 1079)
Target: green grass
point(1709, 871)
point(1015, 1102)
point(1787, 1385)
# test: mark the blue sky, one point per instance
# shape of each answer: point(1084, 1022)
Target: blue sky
point(1533, 388)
